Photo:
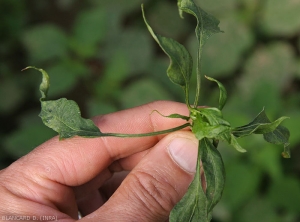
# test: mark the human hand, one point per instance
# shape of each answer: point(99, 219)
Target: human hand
point(58, 178)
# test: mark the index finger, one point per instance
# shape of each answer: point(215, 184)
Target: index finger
point(78, 160)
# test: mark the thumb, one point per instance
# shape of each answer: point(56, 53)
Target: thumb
point(156, 184)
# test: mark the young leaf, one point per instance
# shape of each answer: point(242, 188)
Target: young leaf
point(207, 25)
point(223, 93)
point(202, 129)
point(193, 205)
point(181, 63)
point(272, 131)
point(260, 125)
point(280, 136)
point(198, 203)
point(174, 115)
point(232, 141)
point(213, 116)
point(64, 117)
point(214, 172)
point(45, 84)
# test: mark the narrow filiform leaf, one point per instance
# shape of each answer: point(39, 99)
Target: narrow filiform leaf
point(204, 192)
point(207, 25)
point(181, 62)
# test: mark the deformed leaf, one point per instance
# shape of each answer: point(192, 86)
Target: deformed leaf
point(207, 24)
point(181, 65)
point(260, 125)
point(198, 203)
point(214, 172)
point(202, 129)
point(193, 205)
point(213, 116)
point(64, 117)
point(235, 144)
point(173, 115)
point(272, 131)
point(45, 84)
point(280, 136)
point(223, 93)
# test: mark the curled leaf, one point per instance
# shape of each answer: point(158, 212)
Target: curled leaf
point(213, 116)
point(173, 115)
point(181, 63)
point(45, 84)
point(198, 203)
point(207, 24)
point(223, 93)
point(64, 117)
point(280, 136)
point(260, 125)
point(272, 131)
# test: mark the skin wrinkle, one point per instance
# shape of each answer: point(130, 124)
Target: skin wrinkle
point(141, 196)
point(152, 186)
point(19, 199)
point(47, 188)
point(26, 192)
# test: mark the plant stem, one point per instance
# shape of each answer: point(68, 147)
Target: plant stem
point(198, 74)
point(147, 134)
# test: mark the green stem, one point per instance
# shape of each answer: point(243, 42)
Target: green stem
point(146, 134)
point(187, 97)
point(198, 75)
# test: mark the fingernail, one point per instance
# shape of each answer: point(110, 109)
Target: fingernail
point(184, 151)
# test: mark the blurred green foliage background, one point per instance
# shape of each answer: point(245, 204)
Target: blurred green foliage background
point(100, 54)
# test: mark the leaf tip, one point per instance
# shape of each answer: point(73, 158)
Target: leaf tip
point(30, 67)
point(286, 153)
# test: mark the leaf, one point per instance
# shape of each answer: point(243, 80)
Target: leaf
point(198, 203)
point(207, 24)
point(279, 136)
point(214, 172)
point(260, 125)
point(212, 115)
point(45, 84)
point(181, 65)
point(202, 129)
point(272, 131)
point(232, 141)
point(64, 117)
point(174, 115)
point(223, 93)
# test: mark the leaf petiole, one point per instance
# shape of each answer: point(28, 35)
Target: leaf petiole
point(147, 134)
